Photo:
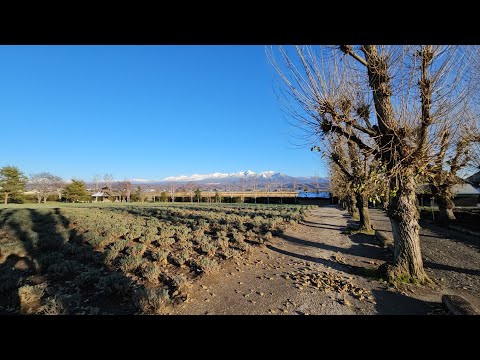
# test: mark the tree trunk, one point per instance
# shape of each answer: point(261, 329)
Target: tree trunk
point(39, 199)
point(353, 209)
point(385, 205)
point(403, 212)
point(45, 199)
point(6, 198)
point(362, 206)
point(445, 204)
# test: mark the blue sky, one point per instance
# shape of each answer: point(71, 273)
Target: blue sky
point(144, 112)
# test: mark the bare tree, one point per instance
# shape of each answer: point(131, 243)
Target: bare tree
point(125, 188)
point(190, 187)
point(96, 182)
point(443, 172)
point(415, 93)
point(171, 190)
point(280, 183)
point(475, 151)
point(361, 177)
point(46, 184)
point(267, 188)
point(316, 183)
point(254, 187)
point(108, 180)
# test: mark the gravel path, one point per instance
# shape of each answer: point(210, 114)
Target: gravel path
point(311, 269)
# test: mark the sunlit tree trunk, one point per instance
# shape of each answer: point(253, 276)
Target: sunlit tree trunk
point(445, 204)
point(404, 218)
point(362, 205)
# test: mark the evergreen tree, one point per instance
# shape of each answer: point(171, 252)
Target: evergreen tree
point(75, 191)
point(163, 196)
point(12, 182)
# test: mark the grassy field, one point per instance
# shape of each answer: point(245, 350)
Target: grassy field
point(122, 258)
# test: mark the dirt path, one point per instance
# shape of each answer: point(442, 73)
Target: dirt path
point(313, 269)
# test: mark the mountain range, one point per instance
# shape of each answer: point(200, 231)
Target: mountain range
point(261, 178)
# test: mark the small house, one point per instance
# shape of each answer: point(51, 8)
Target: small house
point(106, 195)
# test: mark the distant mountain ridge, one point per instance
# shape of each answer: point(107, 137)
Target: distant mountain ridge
point(248, 177)
point(249, 174)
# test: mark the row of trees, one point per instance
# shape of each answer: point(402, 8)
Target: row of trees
point(13, 184)
point(388, 118)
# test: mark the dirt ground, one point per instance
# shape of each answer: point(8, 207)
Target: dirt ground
point(317, 269)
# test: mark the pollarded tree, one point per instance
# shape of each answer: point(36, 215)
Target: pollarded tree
point(45, 184)
point(361, 174)
point(75, 191)
point(403, 98)
point(12, 181)
point(442, 174)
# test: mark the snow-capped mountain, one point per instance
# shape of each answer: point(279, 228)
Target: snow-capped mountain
point(217, 176)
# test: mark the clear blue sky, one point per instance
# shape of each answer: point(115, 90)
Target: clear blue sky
point(144, 112)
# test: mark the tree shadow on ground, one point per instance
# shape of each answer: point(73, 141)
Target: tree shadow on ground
point(346, 268)
point(450, 235)
point(323, 226)
point(432, 265)
point(364, 246)
point(394, 303)
point(64, 272)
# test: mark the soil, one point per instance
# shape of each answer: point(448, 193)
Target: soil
point(319, 268)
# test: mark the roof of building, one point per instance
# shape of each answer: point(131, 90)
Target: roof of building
point(464, 189)
point(474, 177)
point(458, 189)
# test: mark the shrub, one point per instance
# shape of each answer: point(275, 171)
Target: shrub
point(238, 237)
point(52, 306)
point(130, 263)
point(119, 245)
point(114, 284)
point(137, 250)
point(205, 264)
point(208, 248)
point(31, 294)
point(268, 236)
point(180, 284)
point(166, 242)
point(110, 255)
point(243, 246)
point(65, 268)
point(154, 301)
point(229, 253)
point(151, 272)
point(88, 278)
point(179, 258)
point(223, 242)
point(161, 255)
